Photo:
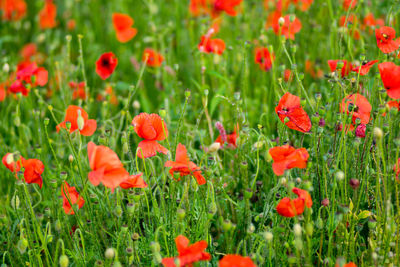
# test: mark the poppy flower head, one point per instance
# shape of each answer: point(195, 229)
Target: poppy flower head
point(390, 75)
point(134, 181)
point(13, 162)
point(349, 4)
point(79, 120)
point(232, 260)
point(290, 207)
point(364, 68)
point(28, 51)
point(13, 10)
point(289, 27)
point(106, 65)
point(33, 171)
point(289, 107)
point(208, 45)
point(303, 194)
point(303, 5)
point(358, 107)
point(151, 128)
point(184, 166)
point(187, 254)
point(70, 197)
point(264, 58)
point(227, 6)
point(344, 71)
point(385, 39)
point(78, 90)
point(152, 58)
point(199, 7)
point(123, 27)
point(230, 139)
point(47, 16)
point(287, 157)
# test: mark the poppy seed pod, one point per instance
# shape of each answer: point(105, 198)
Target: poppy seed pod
point(118, 211)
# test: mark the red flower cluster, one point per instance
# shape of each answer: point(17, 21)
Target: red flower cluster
point(33, 168)
point(28, 76)
point(13, 9)
point(264, 58)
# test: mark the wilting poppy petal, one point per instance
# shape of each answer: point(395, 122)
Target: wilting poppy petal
point(134, 181)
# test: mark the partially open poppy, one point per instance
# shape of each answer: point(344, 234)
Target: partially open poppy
point(227, 6)
point(289, 107)
point(151, 128)
point(70, 197)
point(263, 58)
point(364, 68)
point(123, 27)
point(13, 162)
point(47, 16)
point(184, 166)
point(208, 45)
point(152, 58)
point(358, 107)
point(385, 39)
point(390, 75)
point(28, 74)
point(134, 181)
point(288, 207)
point(106, 65)
point(287, 157)
point(345, 69)
point(13, 9)
point(106, 167)
point(289, 28)
point(79, 120)
point(231, 260)
point(187, 254)
point(230, 139)
point(33, 171)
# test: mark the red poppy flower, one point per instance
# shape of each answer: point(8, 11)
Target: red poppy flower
point(208, 45)
point(349, 4)
point(33, 171)
point(78, 90)
point(47, 16)
point(28, 51)
point(288, 207)
point(350, 264)
point(392, 104)
point(71, 24)
point(390, 75)
point(264, 58)
point(187, 254)
point(24, 74)
point(11, 163)
point(154, 59)
point(396, 168)
point(106, 167)
point(236, 261)
point(289, 107)
point(229, 138)
point(289, 28)
point(13, 9)
point(345, 69)
point(70, 197)
point(287, 75)
point(199, 7)
point(134, 181)
point(106, 65)
point(385, 39)
point(304, 5)
point(364, 68)
point(358, 106)
point(287, 157)
point(184, 166)
point(360, 130)
point(227, 6)
point(79, 120)
point(123, 27)
point(151, 128)
point(370, 21)
point(2, 92)
point(273, 18)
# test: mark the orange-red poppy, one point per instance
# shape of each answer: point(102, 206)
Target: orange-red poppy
point(79, 120)
point(78, 90)
point(345, 69)
point(350, 264)
point(187, 254)
point(199, 7)
point(287, 157)
point(208, 45)
point(351, 19)
point(230, 139)
point(288, 207)
point(71, 24)
point(370, 21)
point(364, 68)
point(304, 5)
point(358, 107)
point(13, 9)
point(2, 92)
point(263, 58)
point(70, 197)
point(273, 18)
point(289, 28)
point(152, 58)
point(287, 75)
point(385, 39)
point(106, 167)
point(123, 27)
point(231, 260)
point(12, 163)
point(151, 128)
point(227, 6)
point(106, 65)
point(25, 72)
point(349, 4)
point(184, 166)
point(28, 51)
point(110, 93)
point(133, 181)
point(47, 16)
point(392, 104)
point(390, 75)
point(289, 107)
point(33, 171)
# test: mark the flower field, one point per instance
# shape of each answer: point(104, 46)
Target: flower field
point(180, 133)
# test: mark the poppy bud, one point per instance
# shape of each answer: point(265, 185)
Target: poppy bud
point(283, 181)
point(99, 263)
point(309, 229)
point(258, 144)
point(268, 236)
point(15, 202)
point(125, 148)
point(325, 202)
point(17, 121)
point(118, 211)
point(71, 158)
point(22, 245)
point(371, 223)
point(40, 217)
point(378, 133)
point(354, 183)
point(50, 107)
point(68, 125)
point(6, 68)
point(248, 193)
point(187, 94)
point(339, 176)
point(181, 214)
point(155, 247)
point(110, 253)
point(226, 225)
point(214, 147)
point(251, 228)
point(80, 121)
point(292, 17)
point(64, 261)
point(360, 130)
point(281, 21)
